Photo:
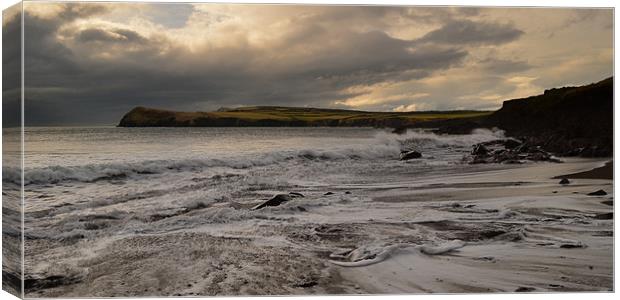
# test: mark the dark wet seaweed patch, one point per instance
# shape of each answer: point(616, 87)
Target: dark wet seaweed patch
point(571, 246)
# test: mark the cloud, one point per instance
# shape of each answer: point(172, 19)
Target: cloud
point(118, 35)
point(11, 66)
point(410, 107)
point(109, 57)
point(466, 32)
point(504, 66)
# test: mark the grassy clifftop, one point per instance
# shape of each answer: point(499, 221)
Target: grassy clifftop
point(285, 116)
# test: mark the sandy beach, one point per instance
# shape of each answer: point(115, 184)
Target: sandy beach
point(505, 229)
point(544, 237)
point(230, 149)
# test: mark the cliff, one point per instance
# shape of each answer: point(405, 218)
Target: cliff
point(274, 116)
point(567, 121)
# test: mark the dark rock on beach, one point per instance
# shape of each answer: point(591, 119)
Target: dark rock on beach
point(407, 155)
point(275, 201)
point(524, 289)
point(564, 181)
point(278, 199)
point(598, 193)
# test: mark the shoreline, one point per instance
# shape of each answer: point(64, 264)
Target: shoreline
point(604, 172)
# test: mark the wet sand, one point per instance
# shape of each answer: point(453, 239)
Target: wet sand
point(604, 172)
point(529, 235)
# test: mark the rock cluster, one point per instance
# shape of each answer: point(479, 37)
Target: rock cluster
point(508, 151)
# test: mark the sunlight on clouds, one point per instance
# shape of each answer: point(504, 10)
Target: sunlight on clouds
point(44, 10)
point(524, 86)
point(411, 107)
point(371, 58)
point(376, 95)
point(9, 14)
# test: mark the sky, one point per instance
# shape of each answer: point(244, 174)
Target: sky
point(89, 63)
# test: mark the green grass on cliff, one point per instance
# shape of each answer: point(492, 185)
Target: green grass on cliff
point(316, 114)
point(142, 116)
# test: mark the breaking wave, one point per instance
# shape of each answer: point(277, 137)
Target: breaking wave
point(384, 146)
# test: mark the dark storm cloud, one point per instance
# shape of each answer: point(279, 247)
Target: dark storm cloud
point(370, 54)
point(473, 33)
point(11, 51)
point(88, 64)
point(71, 81)
point(11, 66)
point(118, 35)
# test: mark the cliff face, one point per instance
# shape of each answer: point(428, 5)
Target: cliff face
point(567, 121)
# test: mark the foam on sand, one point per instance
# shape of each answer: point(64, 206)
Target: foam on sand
point(368, 255)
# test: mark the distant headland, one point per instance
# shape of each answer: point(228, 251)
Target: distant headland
point(568, 120)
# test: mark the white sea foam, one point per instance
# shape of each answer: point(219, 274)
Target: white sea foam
point(372, 254)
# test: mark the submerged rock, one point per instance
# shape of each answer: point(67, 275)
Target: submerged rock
point(407, 155)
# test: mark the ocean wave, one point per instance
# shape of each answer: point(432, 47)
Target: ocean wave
point(384, 146)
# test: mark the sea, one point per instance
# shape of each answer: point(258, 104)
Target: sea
point(104, 206)
point(84, 167)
